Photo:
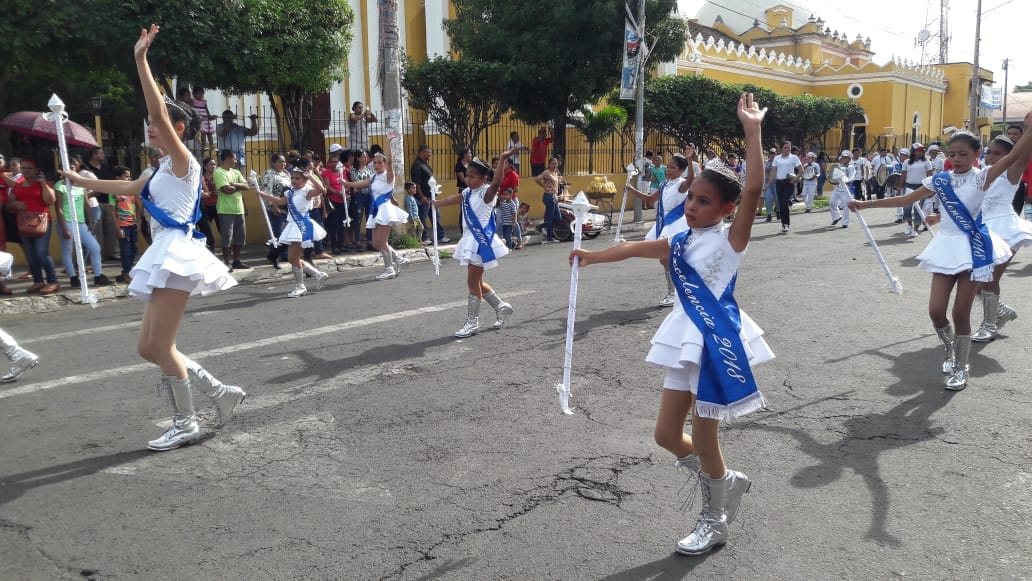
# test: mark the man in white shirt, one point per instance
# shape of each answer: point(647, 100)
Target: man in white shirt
point(859, 164)
point(784, 172)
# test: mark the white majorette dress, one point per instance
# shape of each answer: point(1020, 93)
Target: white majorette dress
point(292, 232)
point(670, 200)
point(678, 344)
point(381, 211)
point(466, 249)
point(949, 252)
point(998, 214)
point(176, 259)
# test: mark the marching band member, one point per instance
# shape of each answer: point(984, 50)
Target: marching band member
point(841, 177)
point(811, 173)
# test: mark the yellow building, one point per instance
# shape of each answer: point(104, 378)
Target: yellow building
point(793, 53)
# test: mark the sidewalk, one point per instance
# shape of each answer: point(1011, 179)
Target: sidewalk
point(260, 272)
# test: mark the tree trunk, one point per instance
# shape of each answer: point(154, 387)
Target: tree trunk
point(591, 158)
point(297, 111)
point(559, 136)
point(277, 115)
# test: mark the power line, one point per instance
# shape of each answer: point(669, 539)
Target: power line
point(1001, 5)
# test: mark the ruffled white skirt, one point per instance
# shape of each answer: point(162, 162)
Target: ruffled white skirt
point(178, 261)
point(950, 253)
point(1012, 229)
point(678, 343)
point(466, 251)
point(678, 226)
point(291, 233)
point(387, 215)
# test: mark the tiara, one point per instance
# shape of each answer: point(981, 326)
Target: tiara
point(173, 103)
point(480, 163)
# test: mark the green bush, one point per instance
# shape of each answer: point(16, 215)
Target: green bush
point(406, 240)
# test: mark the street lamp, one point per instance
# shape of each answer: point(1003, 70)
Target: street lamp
point(95, 104)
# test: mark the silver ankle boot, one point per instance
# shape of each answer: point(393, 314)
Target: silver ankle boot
point(1005, 314)
point(185, 429)
point(225, 397)
point(959, 378)
point(711, 529)
point(472, 325)
point(737, 485)
point(947, 338)
point(987, 331)
point(21, 360)
point(319, 276)
point(398, 261)
point(299, 283)
point(502, 308)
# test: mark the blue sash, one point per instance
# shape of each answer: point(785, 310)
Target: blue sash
point(725, 378)
point(483, 236)
point(375, 203)
point(164, 219)
point(668, 217)
point(978, 233)
point(303, 221)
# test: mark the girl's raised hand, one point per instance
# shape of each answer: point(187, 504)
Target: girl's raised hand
point(749, 112)
point(145, 40)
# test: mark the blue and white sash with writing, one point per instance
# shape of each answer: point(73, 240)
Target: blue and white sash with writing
point(483, 235)
point(668, 217)
point(977, 231)
point(726, 387)
point(303, 221)
point(164, 219)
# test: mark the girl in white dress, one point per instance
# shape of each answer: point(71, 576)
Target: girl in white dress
point(384, 211)
point(964, 252)
point(998, 213)
point(670, 199)
point(177, 265)
point(706, 343)
point(300, 231)
point(480, 247)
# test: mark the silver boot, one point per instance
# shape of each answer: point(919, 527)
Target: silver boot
point(947, 338)
point(388, 266)
point(472, 325)
point(987, 331)
point(689, 466)
point(737, 485)
point(1005, 314)
point(319, 276)
point(21, 360)
point(398, 261)
point(959, 378)
point(225, 397)
point(185, 429)
point(711, 529)
point(502, 308)
point(299, 284)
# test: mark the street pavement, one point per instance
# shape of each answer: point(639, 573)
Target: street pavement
point(375, 445)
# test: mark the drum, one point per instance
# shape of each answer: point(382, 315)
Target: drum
point(836, 176)
point(809, 172)
point(883, 175)
point(894, 181)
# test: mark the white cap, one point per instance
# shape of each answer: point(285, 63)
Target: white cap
point(933, 147)
point(811, 154)
point(846, 153)
point(335, 147)
point(904, 151)
point(917, 146)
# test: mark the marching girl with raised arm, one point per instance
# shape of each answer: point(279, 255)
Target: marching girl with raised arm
point(480, 247)
point(177, 265)
point(300, 231)
point(964, 252)
point(670, 199)
point(384, 211)
point(707, 344)
point(998, 213)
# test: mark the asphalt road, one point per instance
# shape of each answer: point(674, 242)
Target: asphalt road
point(374, 445)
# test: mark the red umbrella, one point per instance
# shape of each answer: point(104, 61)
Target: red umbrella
point(35, 124)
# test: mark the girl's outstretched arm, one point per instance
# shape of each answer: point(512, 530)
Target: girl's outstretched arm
point(1014, 163)
point(896, 202)
point(451, 200)
point(156, 107)
point(751, 116)
point(492, 190)
point(646, 249)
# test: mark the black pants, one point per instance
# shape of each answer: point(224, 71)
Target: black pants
point(786, 191)
point(1019, 198)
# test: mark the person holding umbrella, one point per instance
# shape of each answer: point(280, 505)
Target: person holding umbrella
point(177, 265)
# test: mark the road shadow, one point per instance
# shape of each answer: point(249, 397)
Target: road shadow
point(674, 567)
point(608, 319)
point(14, 485)
point(865, 438)
point(321, 368)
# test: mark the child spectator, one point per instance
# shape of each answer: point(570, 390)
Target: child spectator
point(507, 209)
point(412, 207)
point(127, 216)
point(523, 219)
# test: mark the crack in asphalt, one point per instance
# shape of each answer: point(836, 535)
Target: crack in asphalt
point(25, 532)
point(594, 479)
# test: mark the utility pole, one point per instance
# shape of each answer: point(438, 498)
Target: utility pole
point(639, 110)
point(944, 32)
point(976, 77)
point(389, 77)
point(1006, 66)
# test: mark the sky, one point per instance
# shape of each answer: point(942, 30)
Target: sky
point(893, 26)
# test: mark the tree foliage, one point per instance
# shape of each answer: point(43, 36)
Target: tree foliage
point(561, 62)
point(462, 98)
point(700, 110)
point(598, 125)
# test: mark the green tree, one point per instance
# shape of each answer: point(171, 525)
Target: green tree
point(597, 126)
point(1026, 88)
point(462, 98)
point(560, 63)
